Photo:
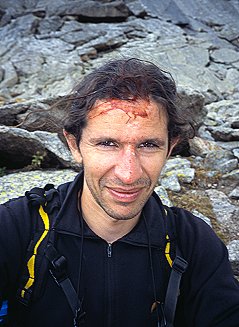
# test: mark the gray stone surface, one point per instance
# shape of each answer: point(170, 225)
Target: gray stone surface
point(16, 184)
point(226, 213)
point(201, 147)
point(231, 177)
point(234, 194)
point(176, 171)
point(220, 160)
point(162, 193)
point(47, 144)
point(233, 249)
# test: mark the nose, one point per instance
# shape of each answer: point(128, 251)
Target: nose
point(128, 168)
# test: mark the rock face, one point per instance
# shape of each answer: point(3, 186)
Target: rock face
point(47, 46)
point(47, 144)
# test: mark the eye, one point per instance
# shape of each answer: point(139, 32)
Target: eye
point(149, 145)
point(106, 144)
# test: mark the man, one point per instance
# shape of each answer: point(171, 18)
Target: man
point(117, 237)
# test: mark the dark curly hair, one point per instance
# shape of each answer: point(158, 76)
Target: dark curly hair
point(126, 79)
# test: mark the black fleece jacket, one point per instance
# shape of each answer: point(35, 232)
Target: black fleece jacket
point(119, 282)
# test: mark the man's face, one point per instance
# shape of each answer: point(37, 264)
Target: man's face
point(123, 149)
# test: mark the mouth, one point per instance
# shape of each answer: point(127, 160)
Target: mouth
point(125, 195)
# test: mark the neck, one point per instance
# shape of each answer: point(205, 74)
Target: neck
point(103, 225)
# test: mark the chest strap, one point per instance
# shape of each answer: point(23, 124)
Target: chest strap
point(178, 268)
point(58, 271)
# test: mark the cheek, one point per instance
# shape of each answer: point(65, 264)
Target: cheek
point(98, 159)
point(153, 166)
point(94, 164)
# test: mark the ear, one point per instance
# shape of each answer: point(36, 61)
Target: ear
point(75, 151)
point(172, 145)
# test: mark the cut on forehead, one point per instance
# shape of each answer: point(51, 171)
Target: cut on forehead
point(133, 108)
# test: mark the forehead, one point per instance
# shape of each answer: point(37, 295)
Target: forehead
point(126, 120)
point(133, 109)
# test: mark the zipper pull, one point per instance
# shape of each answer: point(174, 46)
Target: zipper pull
point(109, 250)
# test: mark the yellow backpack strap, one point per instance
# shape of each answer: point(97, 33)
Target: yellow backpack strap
point(31, 262)
point(167, 251)
point(168, 241)
point(41, 200)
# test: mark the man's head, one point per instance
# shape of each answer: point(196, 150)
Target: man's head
point(123, 125)
point(126, 79)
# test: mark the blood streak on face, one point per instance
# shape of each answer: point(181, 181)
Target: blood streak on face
point(130, 107)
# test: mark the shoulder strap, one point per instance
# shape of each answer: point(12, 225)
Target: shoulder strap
point(42, 255)
point(44, 205)
point(58, 271)
point(179, 266)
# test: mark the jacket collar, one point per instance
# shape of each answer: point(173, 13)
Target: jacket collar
point(149, 230)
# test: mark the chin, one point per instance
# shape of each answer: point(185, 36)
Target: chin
point(117, 215)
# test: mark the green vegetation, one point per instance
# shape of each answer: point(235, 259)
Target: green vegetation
point(37, 159)
point(2, 171)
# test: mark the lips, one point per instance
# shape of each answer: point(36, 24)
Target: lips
point(125, 195)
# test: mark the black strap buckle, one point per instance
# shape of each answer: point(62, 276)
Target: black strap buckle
point(179, 265)
point(58, 264)
point(60, 267)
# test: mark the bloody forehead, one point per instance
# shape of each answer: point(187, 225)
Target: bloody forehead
point(132, 108)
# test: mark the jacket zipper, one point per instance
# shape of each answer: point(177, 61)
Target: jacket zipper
point(110, 285)
point(109, 250)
